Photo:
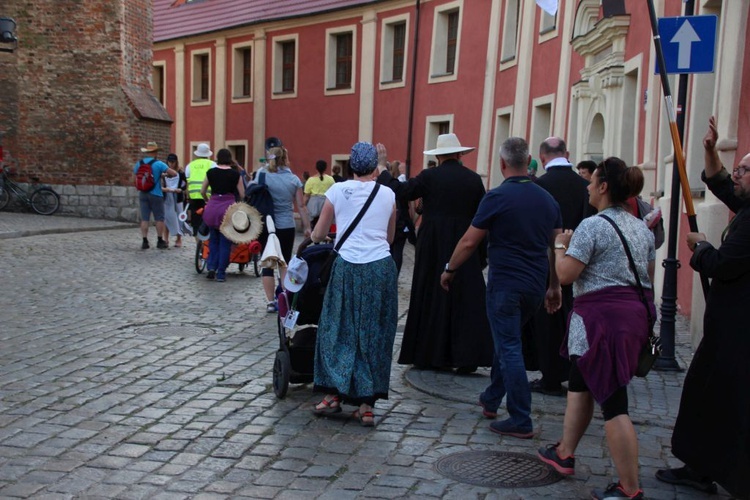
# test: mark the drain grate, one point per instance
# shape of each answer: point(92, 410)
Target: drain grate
point(496, 469)
point(174, 331)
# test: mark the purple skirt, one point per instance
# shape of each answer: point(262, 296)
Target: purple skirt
point(216, 207)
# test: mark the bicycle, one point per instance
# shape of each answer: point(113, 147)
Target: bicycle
point(43, 200)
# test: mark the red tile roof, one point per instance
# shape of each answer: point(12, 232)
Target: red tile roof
point(181, 18)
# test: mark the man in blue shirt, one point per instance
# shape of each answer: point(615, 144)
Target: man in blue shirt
point(152, 202)
point(521, 221)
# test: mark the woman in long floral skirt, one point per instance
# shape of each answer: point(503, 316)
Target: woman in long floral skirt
point(357, 326)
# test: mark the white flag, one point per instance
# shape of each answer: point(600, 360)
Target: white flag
point(548, 6)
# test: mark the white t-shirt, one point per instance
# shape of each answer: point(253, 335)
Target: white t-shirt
point(368, 242)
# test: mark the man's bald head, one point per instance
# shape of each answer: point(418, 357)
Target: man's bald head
point(551, 148)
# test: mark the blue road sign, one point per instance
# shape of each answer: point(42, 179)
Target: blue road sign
point(688, 43)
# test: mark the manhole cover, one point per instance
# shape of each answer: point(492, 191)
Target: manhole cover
point(174, 331)
point(497, 469)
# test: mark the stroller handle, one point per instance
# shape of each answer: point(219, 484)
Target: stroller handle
point(308, 241)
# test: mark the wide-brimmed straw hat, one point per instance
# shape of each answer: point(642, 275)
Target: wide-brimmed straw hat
point(203, 151)
point(151, 147)
point(242, 223)
point(448, 144)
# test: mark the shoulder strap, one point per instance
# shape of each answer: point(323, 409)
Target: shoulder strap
point(641, 293)
point(262, 178)
point(358, 218)
point(152, 161)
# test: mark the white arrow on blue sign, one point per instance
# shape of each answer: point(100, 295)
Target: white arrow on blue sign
point(688, 43)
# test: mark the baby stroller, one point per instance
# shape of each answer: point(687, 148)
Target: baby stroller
point(298, 315)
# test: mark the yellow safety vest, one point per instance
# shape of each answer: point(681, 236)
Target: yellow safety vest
point(198, 169)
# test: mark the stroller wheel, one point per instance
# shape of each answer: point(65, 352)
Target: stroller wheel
point(282, 367)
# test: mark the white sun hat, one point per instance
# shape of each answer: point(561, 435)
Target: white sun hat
point(203, 151)
point(448, 144)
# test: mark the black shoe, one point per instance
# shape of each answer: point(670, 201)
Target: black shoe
point(563, 466)
point(145, 245)
point(161, 244)
point(539, 386)
point(465, 370)
point(614, 490)
point(211, 275)
point(506, 428)
point(685, 476)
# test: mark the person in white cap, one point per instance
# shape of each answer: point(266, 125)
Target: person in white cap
point(444, 330)
point(195, 173)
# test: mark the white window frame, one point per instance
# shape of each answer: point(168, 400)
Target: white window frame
point(243, 143)
point(277, 63)
point(431, 135)
point(509, 47)
point(195, 78)
point(547, 100)
point(162, 66)
point(501, 113)
point(339, 159)
point(548, 26)
point(386, 52)
point(237, 70)
point(440, 40)
point(330, 65)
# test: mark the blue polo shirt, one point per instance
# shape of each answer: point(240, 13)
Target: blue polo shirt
point(157, 168)
point(520, 217)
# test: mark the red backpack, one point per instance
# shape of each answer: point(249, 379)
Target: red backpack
point(144, 176)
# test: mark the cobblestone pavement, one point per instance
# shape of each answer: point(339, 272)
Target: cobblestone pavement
point(125, 374)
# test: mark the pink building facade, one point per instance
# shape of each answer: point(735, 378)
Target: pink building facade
point(324, 75)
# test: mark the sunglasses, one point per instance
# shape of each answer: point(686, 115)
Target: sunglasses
point(740, 170)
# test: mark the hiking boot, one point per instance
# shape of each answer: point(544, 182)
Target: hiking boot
point(564, 466)
point(614, 490)
point(161, 244)
point(145, 245)
point(685, 476)
point(506, 428)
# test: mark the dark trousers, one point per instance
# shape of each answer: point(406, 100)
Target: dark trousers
point(543, 337)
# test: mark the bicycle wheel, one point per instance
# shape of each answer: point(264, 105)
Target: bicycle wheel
point(4, 197)
point(45, 201)
point(256, 260)
point(200, 262)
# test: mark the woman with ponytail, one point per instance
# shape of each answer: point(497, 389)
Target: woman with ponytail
point(609, 324)
point(315, 191)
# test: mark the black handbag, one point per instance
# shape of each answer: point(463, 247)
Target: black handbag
point(651, 351)
point(325, 269)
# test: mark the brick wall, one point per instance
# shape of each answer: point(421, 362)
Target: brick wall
point(76, 100)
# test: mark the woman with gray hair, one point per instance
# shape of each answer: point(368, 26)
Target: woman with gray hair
point(358, 322)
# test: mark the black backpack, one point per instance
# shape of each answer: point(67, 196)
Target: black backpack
point(258, 196)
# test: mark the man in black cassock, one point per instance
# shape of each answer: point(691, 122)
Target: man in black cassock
point(712, 431)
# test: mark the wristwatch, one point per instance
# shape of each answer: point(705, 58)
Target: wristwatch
point(448, 269)
point(560, 246)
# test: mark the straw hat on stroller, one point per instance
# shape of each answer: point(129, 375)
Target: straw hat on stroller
point(241, 224)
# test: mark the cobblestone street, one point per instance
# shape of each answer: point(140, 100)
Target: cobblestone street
point(125, 374)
